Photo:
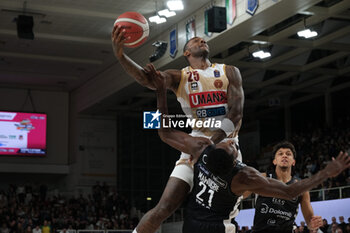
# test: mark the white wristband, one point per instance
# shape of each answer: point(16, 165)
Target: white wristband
point(227, 126)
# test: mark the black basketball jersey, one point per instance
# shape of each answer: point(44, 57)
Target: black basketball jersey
point(275, 214)
point(211, 205)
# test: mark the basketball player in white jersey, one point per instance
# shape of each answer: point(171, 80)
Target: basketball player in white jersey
point(203, 89)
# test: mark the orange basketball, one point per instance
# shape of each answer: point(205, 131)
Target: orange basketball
point(136, 27)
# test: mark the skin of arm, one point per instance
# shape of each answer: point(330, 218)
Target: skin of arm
point(249, 179)
point(235, 101)
point(141, 75)
point(176, 138)
point(313, 222)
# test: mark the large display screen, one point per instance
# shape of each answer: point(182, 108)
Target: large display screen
point(22, 134)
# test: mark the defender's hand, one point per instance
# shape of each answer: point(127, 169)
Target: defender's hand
point(337, 165)
point(155, 77)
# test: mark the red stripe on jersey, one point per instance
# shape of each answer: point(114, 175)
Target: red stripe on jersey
point(207, 98)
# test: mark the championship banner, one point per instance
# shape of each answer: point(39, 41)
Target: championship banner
point(208, 34)
point(173, 43)
point(190, 29)
point(252, 6)
point(230, 11)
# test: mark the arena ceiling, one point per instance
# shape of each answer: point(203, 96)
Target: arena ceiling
point(72, 46)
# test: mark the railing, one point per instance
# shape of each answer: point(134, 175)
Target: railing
point(315, 195)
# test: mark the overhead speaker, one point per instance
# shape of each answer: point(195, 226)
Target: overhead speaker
point(161, 47)
point(25, 25)
point(217, 19)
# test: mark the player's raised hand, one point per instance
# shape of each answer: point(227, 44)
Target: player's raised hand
point(155, 76)
point(118, 40)
point(337, 165)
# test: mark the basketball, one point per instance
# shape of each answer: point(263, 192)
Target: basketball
point(136, 28)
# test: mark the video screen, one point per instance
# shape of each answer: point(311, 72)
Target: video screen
point(22, 134)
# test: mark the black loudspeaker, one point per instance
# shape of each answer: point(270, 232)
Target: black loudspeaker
point(160, 50)
point(217, 19)
point(25, 25)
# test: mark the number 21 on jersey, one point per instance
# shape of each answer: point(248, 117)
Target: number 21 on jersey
point(200, 195)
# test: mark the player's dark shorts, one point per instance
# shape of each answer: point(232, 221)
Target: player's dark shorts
point(194, 226)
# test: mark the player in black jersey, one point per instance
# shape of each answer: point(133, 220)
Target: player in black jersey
point(278, 215)
point(220, 180)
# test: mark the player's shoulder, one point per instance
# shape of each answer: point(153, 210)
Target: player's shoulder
point(232, 72)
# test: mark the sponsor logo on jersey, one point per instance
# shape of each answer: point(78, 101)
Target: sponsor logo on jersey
point(194, 86)
point(271, 222)
point(278, 201)
point(222, 183)
point(278, 213)
point(210, 112)
point(218, 84)
point(216, 73)
point(207, 98)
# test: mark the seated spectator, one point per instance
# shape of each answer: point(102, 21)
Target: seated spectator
point(37, 229)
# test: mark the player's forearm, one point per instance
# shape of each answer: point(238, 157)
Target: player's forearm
point(235, 114)
point(163, 108)
point(304, 185)
point(135, 71)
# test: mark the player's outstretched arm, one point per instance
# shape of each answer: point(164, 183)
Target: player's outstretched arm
point(176, 138)
point(235, 102)
point(141, 75)
point(249, 179)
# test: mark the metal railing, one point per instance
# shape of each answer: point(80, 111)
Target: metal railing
point(315, 195)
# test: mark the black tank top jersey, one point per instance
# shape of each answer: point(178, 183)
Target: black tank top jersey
point(275, 214)
point(211, 205)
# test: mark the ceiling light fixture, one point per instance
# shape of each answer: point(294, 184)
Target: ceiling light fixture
point(175, 5)
point(261, 54)
point(157, 19)
point(166, 13)
point(307, 33)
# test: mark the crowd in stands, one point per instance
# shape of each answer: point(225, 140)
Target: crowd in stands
point(24, 209)
point(333, 227)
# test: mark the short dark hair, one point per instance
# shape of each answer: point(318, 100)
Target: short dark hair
point(185, 46)
point(284, 144)
point(219, 162)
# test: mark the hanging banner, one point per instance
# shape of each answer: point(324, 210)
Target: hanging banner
point(173, 43)
point(252, 6)
point(190, 29)
point(230, 11)
point(208, 34)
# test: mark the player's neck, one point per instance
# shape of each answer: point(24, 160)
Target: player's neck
point(200, 63)
point(284, 174)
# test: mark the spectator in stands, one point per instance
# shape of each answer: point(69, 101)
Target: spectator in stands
point(46, 228)
point(325, 226)
point(4, 228)
point(333, 227)
point(37, 229)
point(342, 224)
point(347, 228)
point(28, 229)
point(304, 227)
